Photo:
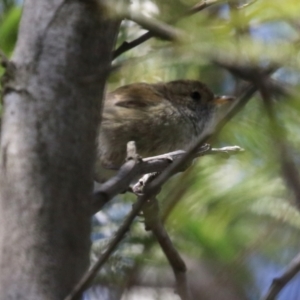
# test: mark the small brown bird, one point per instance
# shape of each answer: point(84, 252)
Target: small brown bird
point(159, 117)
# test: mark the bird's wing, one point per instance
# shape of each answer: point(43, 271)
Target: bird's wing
point(134, 96)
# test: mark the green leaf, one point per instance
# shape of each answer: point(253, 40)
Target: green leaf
point(9, 30)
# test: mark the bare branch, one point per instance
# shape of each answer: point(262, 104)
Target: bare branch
point(157, 28)
point(153, 223)
point(136, 168)
point(229, 150)
point(120, 183)
point(126, 46)
point(280, 282)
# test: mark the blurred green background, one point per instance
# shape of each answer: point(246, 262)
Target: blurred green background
point(233, 219)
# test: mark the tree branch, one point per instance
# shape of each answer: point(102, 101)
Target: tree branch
point(126, 46)
point(134, 169)
point(157, 28)
point(280, 282)
point(153, 223)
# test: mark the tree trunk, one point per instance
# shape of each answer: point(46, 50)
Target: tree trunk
point(52, 106)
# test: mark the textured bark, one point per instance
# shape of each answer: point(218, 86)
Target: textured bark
point(51, 111)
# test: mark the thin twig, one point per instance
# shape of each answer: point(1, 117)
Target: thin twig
point(126, 46)
point(229, 150)
point(153, 223)
point(280, 282)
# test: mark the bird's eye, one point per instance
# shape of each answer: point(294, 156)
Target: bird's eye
point(196, 96)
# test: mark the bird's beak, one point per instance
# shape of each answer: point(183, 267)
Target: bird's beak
point(219, 100)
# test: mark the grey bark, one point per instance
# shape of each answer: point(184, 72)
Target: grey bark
point(52, 106)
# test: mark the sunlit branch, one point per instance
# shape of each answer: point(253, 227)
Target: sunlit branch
point(157, 28)
point(136, 168)
point(126, 46)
